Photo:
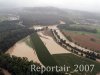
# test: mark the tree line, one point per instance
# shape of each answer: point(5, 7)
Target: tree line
point(62, 42)
point(20, 66)
point(68, 27)
point(10, 33)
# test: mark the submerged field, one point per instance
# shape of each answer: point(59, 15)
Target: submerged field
point(62, 58)
point(23, 49)
point(48, 59)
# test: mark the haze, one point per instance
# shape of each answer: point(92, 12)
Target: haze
point(86, 5)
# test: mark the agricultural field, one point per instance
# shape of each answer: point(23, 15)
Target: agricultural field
point(61, 59)
point(46, 39)
point(87, 36)
point(84, 40)
point(4, 17)
point(71, 60)
point(42, 52)
point(90, 27)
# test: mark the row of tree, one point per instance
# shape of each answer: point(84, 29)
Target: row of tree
point(16, 65)
point(10, 33)
point(73, 28)
point(20, 66)
point(91, 55)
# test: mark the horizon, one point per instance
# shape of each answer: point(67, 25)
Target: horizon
point(82, 5)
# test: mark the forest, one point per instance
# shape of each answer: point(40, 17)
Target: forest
point(20, 66)
point(10, 33)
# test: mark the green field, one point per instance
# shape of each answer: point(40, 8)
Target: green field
point(61, 59)
point(2, 18)
point(97, 27)
point(97, 35)
point(88, 26)
point(70, 60)
point(42, 52)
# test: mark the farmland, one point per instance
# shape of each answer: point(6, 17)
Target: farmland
point(70, 59)
point(82, 29)
point(87, 41)
point(63, 58)
point(87, 36)
point(48, 37)
point(42, 52)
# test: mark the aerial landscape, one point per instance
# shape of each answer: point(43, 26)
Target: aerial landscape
point(49, 40)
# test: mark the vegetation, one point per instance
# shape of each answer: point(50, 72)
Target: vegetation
point(43, 16)
point(20, 66)
point(89, 41)
point(75, 50)
point(42, 52)
point(9, 25)
point(69, 38)
point(71, 60)
point(92, 39)
point(30, 19)
point(12, 38)
point(73, 28)
point(16, 65)
point(28, 42)
point(10, 33)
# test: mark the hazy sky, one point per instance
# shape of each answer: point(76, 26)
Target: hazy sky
point(87, 5)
